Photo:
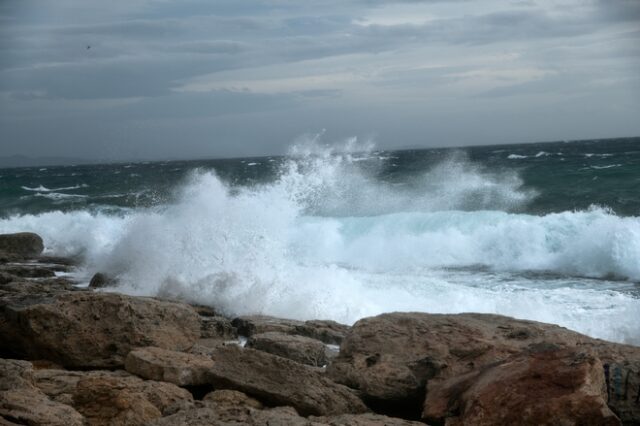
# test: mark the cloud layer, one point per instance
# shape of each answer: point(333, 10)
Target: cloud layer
point(158, 78)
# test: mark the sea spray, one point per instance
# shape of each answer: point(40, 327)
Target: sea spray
point(327, 237)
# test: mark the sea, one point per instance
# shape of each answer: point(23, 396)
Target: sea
point(543, 231)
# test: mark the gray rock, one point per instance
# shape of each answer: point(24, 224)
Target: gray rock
point(24, 244)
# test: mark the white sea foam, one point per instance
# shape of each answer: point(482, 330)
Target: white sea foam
point(516, 157)
point(41, 188)
point(327, 240)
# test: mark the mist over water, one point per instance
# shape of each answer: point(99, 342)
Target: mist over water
point(346, 233)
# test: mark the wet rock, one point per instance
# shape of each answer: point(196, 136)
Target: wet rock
point(21, 402)
point(100, 280)
point(179, 368)
point(217, 327)
point(326, 331)
point(278, 381)
point(28, 271)
point(296, 348)
point(93, 330)
point(545, 386)
point(256, 324)
point(24, 244)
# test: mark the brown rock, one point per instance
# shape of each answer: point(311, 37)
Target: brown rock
point(329, 332)
point(126, 400)
point(28, 271)
point(25, 244)
point(545, 386)
point(297, 348)
point(179, 368)
point(226, 399)
point(390, 358)
point(279, 381)
point(22, 403)
point(367, 419)
point(207, 415)
point(93, 330)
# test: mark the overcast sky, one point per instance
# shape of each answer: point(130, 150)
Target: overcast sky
point(207, 78)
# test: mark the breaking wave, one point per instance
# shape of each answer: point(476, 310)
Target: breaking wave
point(328, 239)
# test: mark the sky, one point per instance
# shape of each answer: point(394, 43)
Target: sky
point(160, 79)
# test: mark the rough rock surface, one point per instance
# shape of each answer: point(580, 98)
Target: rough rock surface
point(24, 244)
point(367, 419)
point(179, 368)
point(109, 400)
point(217, 327)
point(93, 330)
point(329, 332)
point(297, 348)
point(279, 381)
point(391, 358)
point(543, 386)
point(21, 402)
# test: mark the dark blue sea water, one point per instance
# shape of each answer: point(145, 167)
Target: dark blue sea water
point(541, 231)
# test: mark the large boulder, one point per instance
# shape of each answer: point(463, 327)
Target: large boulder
point(542, 386)
point(21, 402)
point(23, 244)
point(297, 348)
point(179, 368)
point(278, 381)
point(93, 330)
point(391, 358)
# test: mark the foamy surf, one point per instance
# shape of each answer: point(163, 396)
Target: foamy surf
point(328, 240)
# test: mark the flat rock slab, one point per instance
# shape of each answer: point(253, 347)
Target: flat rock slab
point(296, 348)
point(21, 402)
point(278, 381)
point(179, 368)
point(93, 330)
point(327, 331)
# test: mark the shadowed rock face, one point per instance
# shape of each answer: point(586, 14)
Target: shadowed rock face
point(94, 330)
point(23, 244)
point(279, 381)
point(395, 359)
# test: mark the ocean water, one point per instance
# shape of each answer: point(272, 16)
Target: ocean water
point(548, 232)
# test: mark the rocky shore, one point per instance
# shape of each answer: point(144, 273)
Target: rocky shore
point(87, 356)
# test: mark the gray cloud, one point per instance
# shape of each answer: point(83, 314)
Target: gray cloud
point(406, 71)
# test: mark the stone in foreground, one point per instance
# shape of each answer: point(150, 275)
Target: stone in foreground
point(544, 386)
point(179, 368)
point(93, 330)
point(21, 402)
point(279, 381)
